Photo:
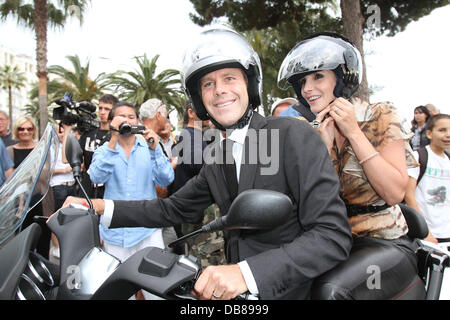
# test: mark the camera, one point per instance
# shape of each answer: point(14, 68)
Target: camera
point(70, 113)
point(127, 129)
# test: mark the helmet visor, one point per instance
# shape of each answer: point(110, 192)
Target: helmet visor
point(321, 53)
point(217, 46)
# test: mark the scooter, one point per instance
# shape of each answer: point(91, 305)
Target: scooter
point(87, 272)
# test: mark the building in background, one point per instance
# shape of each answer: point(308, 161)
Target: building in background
point(27, 65)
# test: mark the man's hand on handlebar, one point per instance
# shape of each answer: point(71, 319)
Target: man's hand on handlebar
point(220, 283)
point(98, 204)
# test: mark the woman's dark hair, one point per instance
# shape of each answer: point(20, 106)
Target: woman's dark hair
point(424, 110)
point(433, 119)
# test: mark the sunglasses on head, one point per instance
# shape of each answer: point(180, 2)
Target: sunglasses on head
point(23, 129)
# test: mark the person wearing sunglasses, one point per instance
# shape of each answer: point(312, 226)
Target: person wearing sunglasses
point(25, 131)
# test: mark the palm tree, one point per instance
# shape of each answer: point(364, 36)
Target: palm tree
point(140, 85)
point(178, 102)
point(11, 78)
point(77, 81)
point(32, 109)
point(54, 89)
point(37, 14)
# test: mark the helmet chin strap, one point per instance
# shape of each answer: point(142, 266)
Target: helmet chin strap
point(242, 122)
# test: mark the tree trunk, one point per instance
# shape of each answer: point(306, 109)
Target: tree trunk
point(11, 120)
point(40, 25)
point(353, 20)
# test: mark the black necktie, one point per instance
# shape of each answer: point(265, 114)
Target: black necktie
point(229, 168)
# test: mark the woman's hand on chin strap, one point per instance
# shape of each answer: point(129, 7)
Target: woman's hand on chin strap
point(326, 127)
point(343, 113)
point(327, 132)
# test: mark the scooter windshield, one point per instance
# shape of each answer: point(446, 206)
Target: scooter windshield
point(28, 185)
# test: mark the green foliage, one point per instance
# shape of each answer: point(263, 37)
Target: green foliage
point(32, 110)
point(77, 81)
point(143, 83)
point(261, 14)
point(397, 14)
point(57, 11)
point(11, 78)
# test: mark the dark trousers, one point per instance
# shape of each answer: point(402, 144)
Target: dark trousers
point(93, 192)
point(61, 192)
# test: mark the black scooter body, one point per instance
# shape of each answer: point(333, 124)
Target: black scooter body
point(77, 232)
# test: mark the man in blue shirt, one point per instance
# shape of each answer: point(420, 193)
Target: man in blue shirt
point(6, 164)
point(129, 167)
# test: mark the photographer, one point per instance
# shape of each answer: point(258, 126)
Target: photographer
point(129, 167)
point(92, 139)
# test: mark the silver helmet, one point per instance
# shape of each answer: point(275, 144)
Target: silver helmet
point(323, 52)
point(217, 48)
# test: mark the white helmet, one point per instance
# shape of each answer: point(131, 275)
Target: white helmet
point(218, 48)
point(325, 51)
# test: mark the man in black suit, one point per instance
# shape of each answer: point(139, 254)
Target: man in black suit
point(222, 76)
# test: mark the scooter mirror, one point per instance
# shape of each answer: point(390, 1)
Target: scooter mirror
point(74, 154)
point(254, 209)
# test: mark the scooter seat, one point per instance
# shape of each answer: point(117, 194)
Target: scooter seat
point(418, 228)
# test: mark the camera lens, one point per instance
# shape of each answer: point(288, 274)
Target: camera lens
point(125, 129)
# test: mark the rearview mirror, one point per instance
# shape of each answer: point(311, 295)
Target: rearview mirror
point(252, 209)
point(74, 154)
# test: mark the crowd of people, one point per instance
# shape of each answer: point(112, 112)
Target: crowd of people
point(345, 164)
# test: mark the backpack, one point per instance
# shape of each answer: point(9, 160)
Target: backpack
point(423, 159)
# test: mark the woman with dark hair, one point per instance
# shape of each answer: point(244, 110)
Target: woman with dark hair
point(419, 127)
point(370, 151)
